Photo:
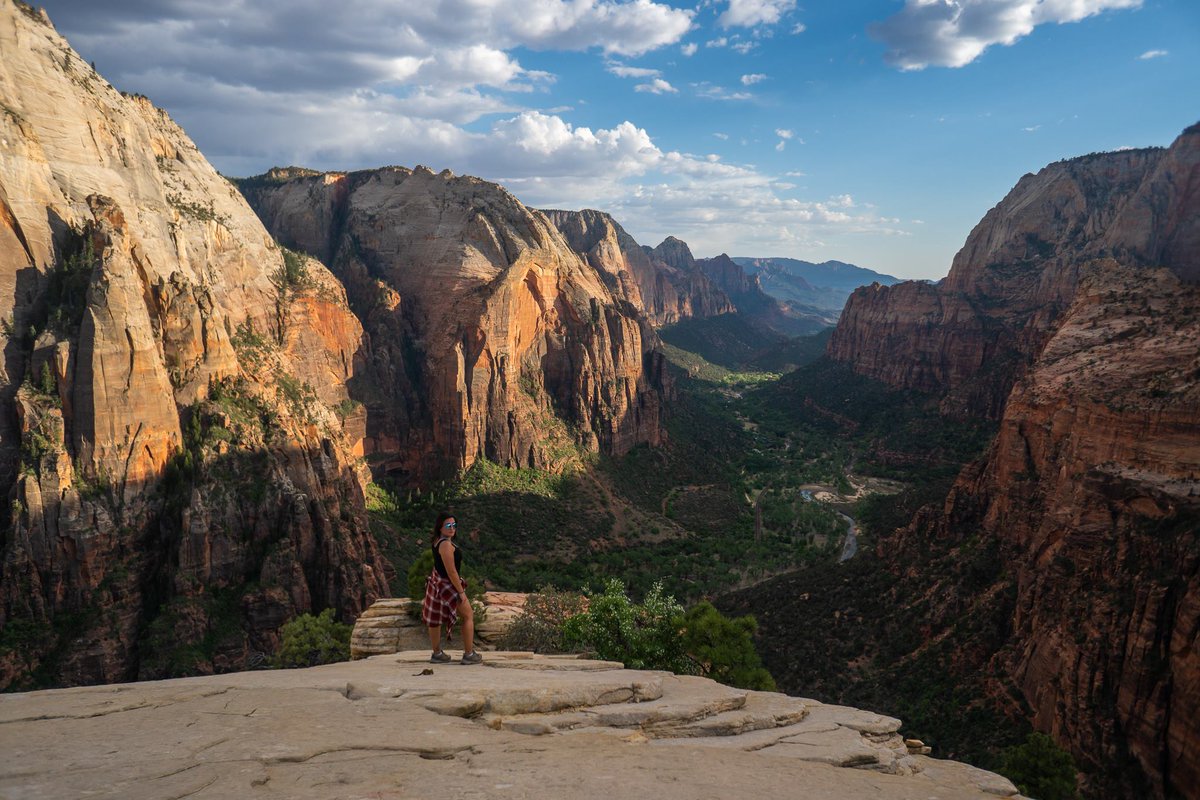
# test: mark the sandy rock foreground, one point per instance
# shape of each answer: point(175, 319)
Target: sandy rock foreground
point(519, 726)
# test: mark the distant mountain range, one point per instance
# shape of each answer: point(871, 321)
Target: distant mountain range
point(824, 286)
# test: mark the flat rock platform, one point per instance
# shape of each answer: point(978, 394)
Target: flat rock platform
point(518, 726)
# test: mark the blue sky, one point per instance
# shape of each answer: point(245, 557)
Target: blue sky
point(872, 132)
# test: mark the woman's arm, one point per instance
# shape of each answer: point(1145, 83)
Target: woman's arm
point(446, 554)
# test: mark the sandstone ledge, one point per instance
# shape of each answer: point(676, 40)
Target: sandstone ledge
point(521, 726)
point(390, 626)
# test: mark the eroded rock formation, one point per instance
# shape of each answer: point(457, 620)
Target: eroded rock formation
point(1069, 315)
point(172, 443)
point(1092, 488)
point(663, 282)
point(972, 334)
point(761, 309)
point(489, 337)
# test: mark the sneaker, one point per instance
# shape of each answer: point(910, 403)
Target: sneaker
point(440, 657)
point(471, 658)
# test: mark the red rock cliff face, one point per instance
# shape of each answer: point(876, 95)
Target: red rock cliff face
point(1092, 488)
point(972, 334)
point(665, 286)
point(179, 483)
point(489, 336)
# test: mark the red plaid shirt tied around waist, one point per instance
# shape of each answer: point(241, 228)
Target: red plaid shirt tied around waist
point(440, 606)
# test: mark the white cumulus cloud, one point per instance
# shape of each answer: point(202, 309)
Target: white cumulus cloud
point(753, 78)
point(1149, 54)
point(748, 13)
point(656, 86)
point(689, 49)
point(953, 33)
point(441, 83)
point(622, 71)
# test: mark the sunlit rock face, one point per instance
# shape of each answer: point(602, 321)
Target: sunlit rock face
point(972, 334)
point(664, 283)
point(179, 482)
point(489, 337)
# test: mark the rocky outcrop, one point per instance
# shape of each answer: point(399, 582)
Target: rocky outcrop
point(177, 486)
point(973, 334)
point(520, 725)
point(663, 283)
point(393, 624)
point(1092, 489)
point(1056, 319)
point(489, 337)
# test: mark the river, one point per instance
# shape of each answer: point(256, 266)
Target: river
point(850, 545)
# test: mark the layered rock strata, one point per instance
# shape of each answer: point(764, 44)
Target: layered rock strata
point(663, 283)
point(180, 477)
point(519, 726)
point(972, 334)
point(1071, 315)
point(1092, 489)
point(489, 337)
point(393, 624)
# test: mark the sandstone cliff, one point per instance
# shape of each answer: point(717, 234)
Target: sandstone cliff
point(1092, 489)
point(179, 476)
point(489, 337)
point(972, 334)
point(1068, 315)
point(663, 283)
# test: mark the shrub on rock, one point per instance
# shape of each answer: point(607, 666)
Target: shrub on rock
point(723, 648)
point(308, 641)
point(646, 636)
point(539, 627)
point(1041, 769)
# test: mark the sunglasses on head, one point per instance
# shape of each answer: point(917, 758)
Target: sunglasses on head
point(450, 525)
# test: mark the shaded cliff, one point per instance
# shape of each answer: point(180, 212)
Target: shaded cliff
point(1092, 490)
point(180, 481)
point(1060, 578)
point(663, 283)
point(972, 334)
point(489, 336)
point(763, 310)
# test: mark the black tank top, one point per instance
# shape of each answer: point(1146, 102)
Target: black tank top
point(437, 559)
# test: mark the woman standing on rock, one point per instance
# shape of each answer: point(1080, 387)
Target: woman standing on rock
point(446, 594)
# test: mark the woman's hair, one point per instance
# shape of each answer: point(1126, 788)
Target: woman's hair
point(437, 526)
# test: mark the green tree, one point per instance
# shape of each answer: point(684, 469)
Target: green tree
point(723, 648)
point(1041, 769)
point(647, 636)
point(308, 641)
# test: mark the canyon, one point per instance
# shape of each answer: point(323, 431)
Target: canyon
point(1072, 316)
point(201, 378)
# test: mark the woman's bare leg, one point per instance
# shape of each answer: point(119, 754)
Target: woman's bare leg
point(468, 625)
point(435, 638)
